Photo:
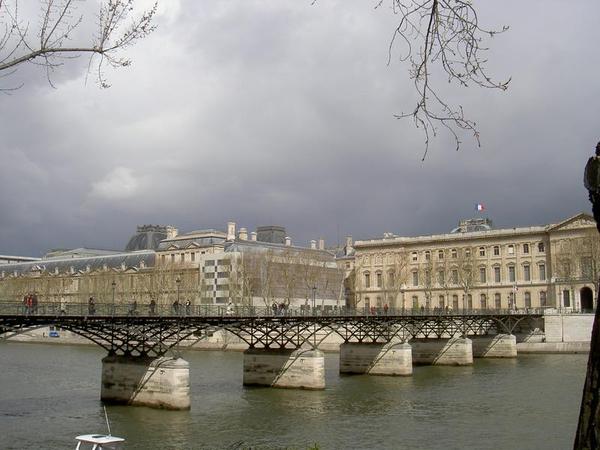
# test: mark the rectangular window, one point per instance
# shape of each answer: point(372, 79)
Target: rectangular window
point(511, 249)
point(481, 251)
point(566, 298)
point(415, 257)
point(482, 275)
point(415, 278)
point(173, 258)
point(222, 274)
point(496, 250)
point(454, 253)
point(415, 302)
point(469, 301)
point(441, 302)
point(511, 274)
point(162, 259)
point(497, 277)
point(440, 254)
point(441, 278)
point(483, 301)
point(455, 302)
point(193, 256)
point(542, 268)
point(367, 280)
point(427, 278)
point(543, 298)
point(541, 247)
point(527, 300)
point(526, 273)
point(497, 301)
point(454, 276)
point(525, 248)
point(379, 280)
point(427, 256)
point(182, 257)
point(209, 262)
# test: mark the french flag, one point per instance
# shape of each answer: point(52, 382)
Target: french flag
point(480, 207)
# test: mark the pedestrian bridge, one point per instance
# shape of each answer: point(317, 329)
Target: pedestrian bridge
point(143, 367)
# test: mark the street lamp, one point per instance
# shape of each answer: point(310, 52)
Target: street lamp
point(114, 285)
point(314, 295)
point(402, 291)
point(177, 280)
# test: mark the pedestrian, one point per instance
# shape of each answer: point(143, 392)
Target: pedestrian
point(91, 306)
point(63, 306)
point(152, 307)
point(176, 307)
point(274, 308)
point(26, 304)
point(188, 307)
point(34, 303)
point(385, 309)
point(229, 310)
point(133, 308)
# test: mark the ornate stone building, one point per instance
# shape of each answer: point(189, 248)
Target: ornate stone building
point(206, 267)
point(478, 267)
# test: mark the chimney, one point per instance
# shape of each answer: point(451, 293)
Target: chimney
point(288, 241)
point(243, 235)
point(321, 244)
point(348, 247)
point(313, 244)
point(253, 236)
point(231, 231)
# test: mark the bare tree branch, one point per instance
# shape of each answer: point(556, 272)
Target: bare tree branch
point(441, 36)
point(118, 27)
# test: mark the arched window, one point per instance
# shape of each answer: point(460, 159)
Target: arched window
point(455, 302)
point(541, 247)
point(543, 299)
point(454, 253)
point(367, 280)
point(497, 301)
point(496, 250)
point(442, 303)
point(440, 254)
point(415, 302)
point(379, 279)
point(469, 301)
point(483, 301)
point(481, 251)
point(427, 255)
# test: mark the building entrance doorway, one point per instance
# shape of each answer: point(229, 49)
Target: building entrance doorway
point(587, 299)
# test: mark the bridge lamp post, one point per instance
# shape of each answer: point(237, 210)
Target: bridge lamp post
point(314, 296)
point(114, 285)
point(403, 291)
point(178, 281)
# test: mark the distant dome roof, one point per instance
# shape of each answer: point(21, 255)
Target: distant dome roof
point(147, 238)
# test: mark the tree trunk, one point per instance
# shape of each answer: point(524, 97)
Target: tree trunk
point(589, 415)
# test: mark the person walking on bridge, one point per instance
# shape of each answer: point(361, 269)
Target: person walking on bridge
point(91, 306)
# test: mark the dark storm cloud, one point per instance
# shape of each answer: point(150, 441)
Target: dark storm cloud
point(282, 112)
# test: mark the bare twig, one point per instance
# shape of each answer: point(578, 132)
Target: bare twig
point(117, 28)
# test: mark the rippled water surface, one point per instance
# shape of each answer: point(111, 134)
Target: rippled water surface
point(49, 394)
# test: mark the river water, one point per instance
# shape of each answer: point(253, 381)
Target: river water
point(50, 393)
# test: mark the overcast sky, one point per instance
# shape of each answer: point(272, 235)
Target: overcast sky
point(282, 112)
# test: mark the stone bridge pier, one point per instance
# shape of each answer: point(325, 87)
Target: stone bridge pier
point(156, 382)
point(495, 346)
point(376, 358)
point(300, 368)
point(454, 351)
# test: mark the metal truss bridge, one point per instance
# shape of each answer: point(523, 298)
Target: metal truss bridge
point(123, 330)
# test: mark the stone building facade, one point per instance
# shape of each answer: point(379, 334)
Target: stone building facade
point(478, 267)
point(206, 267)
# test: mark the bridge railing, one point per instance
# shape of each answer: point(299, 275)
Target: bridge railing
point(123, 310)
